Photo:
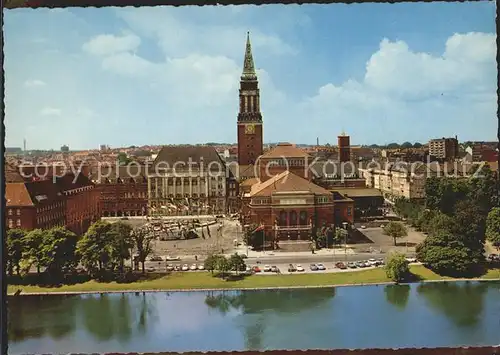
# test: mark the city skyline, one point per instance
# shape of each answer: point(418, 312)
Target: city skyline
point(372, 70)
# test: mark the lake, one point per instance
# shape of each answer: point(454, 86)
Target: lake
point(417, 315)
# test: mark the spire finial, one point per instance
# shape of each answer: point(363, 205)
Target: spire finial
point(248, 65)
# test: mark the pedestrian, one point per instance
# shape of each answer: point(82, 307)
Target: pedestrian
point(196, 258)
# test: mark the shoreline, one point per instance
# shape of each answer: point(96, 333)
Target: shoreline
point(222, 289)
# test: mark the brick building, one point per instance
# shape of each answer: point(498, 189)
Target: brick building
point(123, 190)
point(344, 148)
point(67, 201)
point(289, 207)
point(284, 156)
point(444, 148)
point(82, 202)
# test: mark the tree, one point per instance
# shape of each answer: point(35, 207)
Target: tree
point(397, 267)
point(95, 248)
point(254, 237)
point(392, 146)
point(210, 263)
point(143, 241)
point(122, 243)
point(469, 224)
point(417, 145)
point(395, 230)
point(222, 265)
point(34, 248)
point(237, 263)
point(493, 227)
point(60, 251)
point(406, 145)
point(15, 247)
point(447, 254)
point(339, 235)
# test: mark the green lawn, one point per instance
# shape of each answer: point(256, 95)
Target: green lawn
point(200, 280)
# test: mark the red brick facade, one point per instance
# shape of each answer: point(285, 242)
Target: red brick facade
point(344, 148)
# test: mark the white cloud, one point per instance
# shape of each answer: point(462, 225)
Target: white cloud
point(50, 111)
point(107, 44)
point(33, 83)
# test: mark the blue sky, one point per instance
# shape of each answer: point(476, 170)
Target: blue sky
point(165, 75)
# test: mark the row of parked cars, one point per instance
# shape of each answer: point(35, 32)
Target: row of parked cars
point(185, 267)
point(495, 258)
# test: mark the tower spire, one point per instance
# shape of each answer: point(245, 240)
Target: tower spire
point(248, 65)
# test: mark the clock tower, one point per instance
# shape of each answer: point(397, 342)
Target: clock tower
point(250, 131)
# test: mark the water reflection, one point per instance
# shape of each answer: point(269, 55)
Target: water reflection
point(25, 321)
point(263, 304)
point(462, 303)
point(397, 295)
point(277, 301)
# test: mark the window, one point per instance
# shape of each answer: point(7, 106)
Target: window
point(11, 223)
point(18, 223)
point(349, 211)
point(10, 212)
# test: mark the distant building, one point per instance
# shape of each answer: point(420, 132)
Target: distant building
point(65, 149)
point(444, 148)
point(344, 146)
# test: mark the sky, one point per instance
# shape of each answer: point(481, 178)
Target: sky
point(164, 75)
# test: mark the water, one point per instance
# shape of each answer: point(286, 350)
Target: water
point(427, 315)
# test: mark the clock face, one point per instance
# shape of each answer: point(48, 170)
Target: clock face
point(250, 129)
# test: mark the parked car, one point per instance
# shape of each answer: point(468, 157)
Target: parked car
point(372, 262)
point(381, 261)
point(493, 257)
point(267, 268)
point(172, 258)
point(291, 268)
point(193, 267)
point(341, 266)
point(156, 258)
point(177, 268)
point(274, 269)
point(185, 267)
point(201, 267)
point(351, 265)
point(256, 269)
point(360, 264)
point(150, 269)
point(411, 260)
point(170, 268)
point(248, 270)
point(321, 267)
point(313, 267)
point(300, 268)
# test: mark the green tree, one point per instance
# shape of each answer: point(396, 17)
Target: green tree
point(60, 251)
point(253, 238)
point(122, 243)
point(339, 236)
point(447, 254)
point(417, 145)
point(237, 263)
point(395, 230)
point(34, 248)
point(15, 247)
point(470, 225)
point(210, 263)
point(143, 242)
point(406, 145)
point(493, 227)
point(95, 248)
point(397, 267)
point(222, 265)
point(439, 222)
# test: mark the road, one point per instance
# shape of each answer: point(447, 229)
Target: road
point(283, 260)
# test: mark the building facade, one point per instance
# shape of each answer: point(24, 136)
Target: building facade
point(288, 207)
point(344, 148)
point(123, 190)
point(250, 128)
point(444, 148)
point(188, 180)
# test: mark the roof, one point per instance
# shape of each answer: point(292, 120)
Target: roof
point(181, 156)
point(332, 167)
point(358, 192)
point(70, 182)
point(110, 173)
point(242, 171)
point(286, 182)
point(285, 150)
point(16, 194)
point(249, 182)
point(12, 174)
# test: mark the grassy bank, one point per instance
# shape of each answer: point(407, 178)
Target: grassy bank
point(195, 280)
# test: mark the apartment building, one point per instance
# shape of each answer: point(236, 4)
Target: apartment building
point(444, 148)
